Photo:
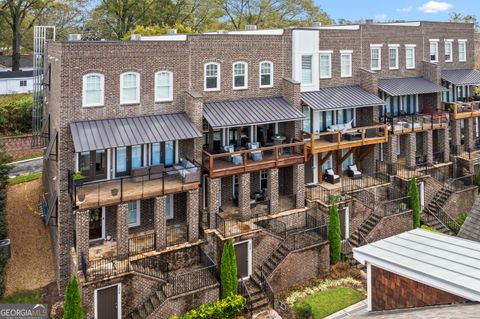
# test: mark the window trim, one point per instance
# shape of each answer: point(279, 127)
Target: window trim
point(379, 48)
point(170, 89)
point(329, 54)
point(397, 56)
point(137, 222)
point(260, 74)
point(464, 43)
point(84, 89)
point(350, 53)
point(245, 86)
point(414, 48)
point(436, 51)
point(218, 87)
point(450, 43)
point(137, 82)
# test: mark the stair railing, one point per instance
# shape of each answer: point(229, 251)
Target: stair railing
point(447, 220)
point(266, 287)
point(429, 211)
point(243, 291)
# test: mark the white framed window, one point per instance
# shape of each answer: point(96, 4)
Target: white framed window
point(375, 57)
point(434, 50)
point(462, 50)
point(266, 74)
point(346, 63)
point(23, 82)
point(393, 56)
point(325, 64)
point(307, 71)
point(134, 213)
point(212, 77)
point(130, 88)
point(93, 89)
point(240, 75)
point(410, 56)
point(448, 50)
point(163, 86)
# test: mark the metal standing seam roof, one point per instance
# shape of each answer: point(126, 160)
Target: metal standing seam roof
point(340, 97)
point(409, 86)
point(109, 133)
point(462, 77)
point(250, 112)
point(433, 258)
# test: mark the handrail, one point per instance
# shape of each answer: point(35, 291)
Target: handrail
point(266, 287)
point(341, 132)
point(264, 148)
point(449, 221)
point(428, 211)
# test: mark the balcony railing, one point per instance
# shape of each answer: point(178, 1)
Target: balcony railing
point(403, 124)
point(90, 194)
point(244, 161)
point(141, 244)
point(234, 225)
point(176, 234)
point(357, 136)
point(462, 110)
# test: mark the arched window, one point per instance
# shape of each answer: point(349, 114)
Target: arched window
point(212, 77)
point(163, 86)
point(266, 74)
point(240, 75)
point(129, 88)
point(93, 89)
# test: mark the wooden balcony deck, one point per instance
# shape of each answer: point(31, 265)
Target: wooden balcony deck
point(462, 110)
point(417, 123)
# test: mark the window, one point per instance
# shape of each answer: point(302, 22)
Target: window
point(410, 56)
point(266, 74)
point(130, 88)
point(433, 50)
point(162, 153)
point(376, 57)
point(84, 163)
point(134, 213)
point(462, 50)
point(307, 76)
point(121, 161)
point(212, 77)
point(325, 65)
point(346, 64)
point(137, 156)
point(240, 75)
point(263, 180)
point(93, 86)
point(169, 207)
point(163, 86)
point(448, 50)
point(23, 83)
point(235, 186)
point(155, 154)
point(393, 57)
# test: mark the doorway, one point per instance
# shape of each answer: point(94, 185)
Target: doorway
point(108, 302)
point(243, 253)
point(96, 226)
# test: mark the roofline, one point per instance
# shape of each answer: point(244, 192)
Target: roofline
point(257, 123)
point(128, 117)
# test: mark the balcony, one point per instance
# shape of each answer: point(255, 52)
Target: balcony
point(357, 136)
point(462, 110)
point(143, 184)
point(245, 161)
point(404, 124)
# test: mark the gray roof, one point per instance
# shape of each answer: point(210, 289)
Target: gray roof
point(16, 74)
point(408, 86)
point(462, 77)
point(471, 227)
point(446, 262)
point(340, 97)
point(26, 61)
point(109, 133)
point(250, 112)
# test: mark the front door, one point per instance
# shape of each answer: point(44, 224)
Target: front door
point(242, 253)
point(107, 304)
point(96, 224)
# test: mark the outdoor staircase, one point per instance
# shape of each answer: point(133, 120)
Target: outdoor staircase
point(433, 214)
point(148, 306)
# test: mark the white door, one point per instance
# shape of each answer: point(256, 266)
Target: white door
point(421, 190)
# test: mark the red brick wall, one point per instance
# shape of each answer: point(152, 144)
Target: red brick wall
point(392, 291)
point(20, 147)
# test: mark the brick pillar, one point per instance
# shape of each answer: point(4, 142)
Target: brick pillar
point(122, 229)
point(272, 189)
point(244, 195)
point(192, 215)
point(444, 144)
point(82, 234)
point(369, 161)
point(427, 137)
point(160, 222)
point(213, 200)
point(390, 153)
point(299, 185)
point(410, 149)
point(455, 129)
point(469, 142)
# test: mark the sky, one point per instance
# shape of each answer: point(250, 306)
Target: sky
point(408, 10)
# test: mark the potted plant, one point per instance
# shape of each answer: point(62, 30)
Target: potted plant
point(78, 177)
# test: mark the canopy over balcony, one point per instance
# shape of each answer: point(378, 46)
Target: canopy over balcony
point(409, 86)
point(462, 77)
point(340, 97)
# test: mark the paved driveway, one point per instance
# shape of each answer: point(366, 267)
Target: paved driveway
point(28, 166)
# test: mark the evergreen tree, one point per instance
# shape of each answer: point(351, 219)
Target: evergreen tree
point(334, 234)
point(73, 304)
point(477, 180)
point(414, 202)
point(228, 271)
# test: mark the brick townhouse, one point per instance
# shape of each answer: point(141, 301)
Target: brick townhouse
point(161, 148)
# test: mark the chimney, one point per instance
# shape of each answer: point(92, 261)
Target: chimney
point(316, 24)
point(171, 31)
point(135, 37)
point(369, 21)
point(250, 27)
point(74, 37)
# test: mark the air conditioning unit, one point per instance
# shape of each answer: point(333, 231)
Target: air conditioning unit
point(171, 31)
point(74, 37)
point(316, 24)
point(135, 37)
point(250, 27)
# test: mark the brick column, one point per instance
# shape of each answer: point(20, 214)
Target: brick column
point(455, 129)
point(411, 149)
point(122, 229)
point(272, 189)
point(369, 161)
point(82, 234)
point(213, 200)
point(390, 153)
point(299, 185)
point(160, 222)
point(469, 142)
point(428, 145)
point(444, 144)
point(244, 195)
point(192, 215)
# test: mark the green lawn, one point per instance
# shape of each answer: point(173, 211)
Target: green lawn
point(326, 302)
point(27, 296)
point(24, 178)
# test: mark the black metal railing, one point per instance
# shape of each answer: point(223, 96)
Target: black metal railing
point(305, 238)
point(287, 202)
point(234, 225)
point(266, 287)
point(274, 226)
point(366, 197)
point(416, 122)
point(405, 172)
point(461, 183)
point(141, 244)
point(438, 157)
point(393, 207)
point(243, 291)
point(151, 266)
point(260, 208)
point(97, 269)
point(176, 234)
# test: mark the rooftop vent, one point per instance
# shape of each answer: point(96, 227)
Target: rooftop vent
point(74, 37)
point(135, 37)
point(369, 21)
point(250, 27)
point(171, 31)
point(316, 24)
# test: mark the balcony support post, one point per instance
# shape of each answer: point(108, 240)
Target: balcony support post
point(122, 229)
point(192, 215)
point(213, 200)
point(82, 218)
point(160, 222)
point(244, 196)
point(443, 144)
point(428, 145)
point(390, 153)
point(272, 182)
point(299, 185)
point(468, 134)
point(411, 150)
point(455, 127)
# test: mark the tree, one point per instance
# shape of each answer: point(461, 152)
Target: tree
point(228, 271)
point(477, 180)
point(73, 303)
point(156, 30)
point(465, 18)
point(414, 202)
point(334, 234)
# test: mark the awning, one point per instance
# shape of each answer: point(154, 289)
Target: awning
point(340, 97)
point(109, 133)
point(409, 86)
point(250, 112)
point(462, 77)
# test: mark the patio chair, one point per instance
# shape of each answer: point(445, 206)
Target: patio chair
point(138, 174)
point(256, 155)
point(156, 171)
point(353, 172)
point(235, 159)
point(331, 177)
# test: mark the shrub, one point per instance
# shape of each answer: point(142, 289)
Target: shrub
point(16, 114)
point(477, 180)
point(334, 234)
point(429, 228)
point(414, 202)
point(302, 310)
point(73, 303)
point(226, 308)
point(228, 271)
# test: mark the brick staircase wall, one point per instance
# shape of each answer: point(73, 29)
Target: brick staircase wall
point(461, 202)
point(390, 226)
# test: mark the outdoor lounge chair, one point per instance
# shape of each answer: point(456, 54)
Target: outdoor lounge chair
point(235, 159)
point(331, 177)
point(256, 155)
point(353, 172)
point(156, 171)
point(139, 174)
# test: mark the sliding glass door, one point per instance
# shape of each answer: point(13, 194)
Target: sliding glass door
point(93, 164)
